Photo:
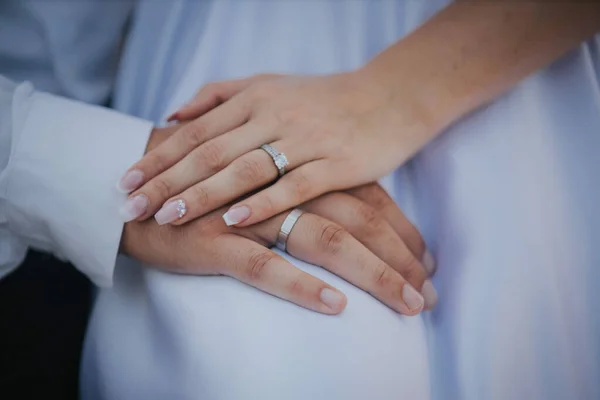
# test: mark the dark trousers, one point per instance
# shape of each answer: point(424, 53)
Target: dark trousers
point(44, 307)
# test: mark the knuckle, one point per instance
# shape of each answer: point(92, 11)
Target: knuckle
point(296, 288)
point(418, 244)
point(410, 268)
point(155, 161)
point(382, 276)
point(290, 116)
point(196, 134)
point(301, 185)
point(217, 91)
point(257, 265)
point(263, 205)
point(378, 197)
point(332, 238)
point(250, 170)
point(161, 187)
point(200, 195)
point(369, 218)
point(211, 156)
point(262, 90)
point(210, 227)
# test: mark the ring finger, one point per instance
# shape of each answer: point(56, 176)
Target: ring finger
point(251, 263)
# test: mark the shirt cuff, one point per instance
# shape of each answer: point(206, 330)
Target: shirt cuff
point(62, 175)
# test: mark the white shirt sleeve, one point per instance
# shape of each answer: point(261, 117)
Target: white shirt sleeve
point(59, 163)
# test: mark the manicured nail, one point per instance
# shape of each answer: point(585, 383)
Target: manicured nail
point(333, 299)
point(412, 298)
point(429, 263)
point(134, 207)
point(130, 181)
point(429, 294)
point(173, 117)
point(236, 215)
point(170, 212)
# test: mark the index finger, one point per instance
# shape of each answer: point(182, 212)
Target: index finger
point(223, 118)
point(251, 263)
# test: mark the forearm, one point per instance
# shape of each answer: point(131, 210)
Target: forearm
point(473, 51)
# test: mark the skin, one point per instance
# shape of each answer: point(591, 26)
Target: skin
point(360, 235)
point(345, 130)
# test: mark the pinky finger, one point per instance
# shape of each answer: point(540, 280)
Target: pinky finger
point(251, 263)
point(214, 94)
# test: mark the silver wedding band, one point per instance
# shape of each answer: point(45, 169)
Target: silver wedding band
point(279, 159)
point(286, 228)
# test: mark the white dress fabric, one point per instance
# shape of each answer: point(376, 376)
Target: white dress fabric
point(507, 200)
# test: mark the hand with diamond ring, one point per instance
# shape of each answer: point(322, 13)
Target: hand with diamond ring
point(343, 130)
point(312, 134)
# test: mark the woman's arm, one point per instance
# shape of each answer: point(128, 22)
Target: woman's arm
point(344, 130)
point(472, 51)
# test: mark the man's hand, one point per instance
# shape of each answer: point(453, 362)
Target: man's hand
point(360, 235)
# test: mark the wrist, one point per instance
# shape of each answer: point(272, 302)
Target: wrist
point(407, 99)
point(412, 89)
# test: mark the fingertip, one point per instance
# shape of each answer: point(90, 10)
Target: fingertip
point(131, 181)
point(172, 211)
point(174, 117)
point(236, 215)
point(429, 263)
point(133, 208)
point(414, 300)
point(334, 300)
point(429, 294)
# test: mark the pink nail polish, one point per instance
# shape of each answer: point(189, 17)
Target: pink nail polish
point(134, 207)
point(131, 181)
point(333, 299)
point(173, 117)
point(236, 215)
point(412, 298)
point(429, 294)
point(170, 212)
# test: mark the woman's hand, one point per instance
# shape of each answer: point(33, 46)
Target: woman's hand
point(359, 235)
point(337, 132)
point(347, 129)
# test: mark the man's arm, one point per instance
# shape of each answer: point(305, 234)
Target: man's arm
point(59, 161)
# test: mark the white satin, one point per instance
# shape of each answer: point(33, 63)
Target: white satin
point(506, 199)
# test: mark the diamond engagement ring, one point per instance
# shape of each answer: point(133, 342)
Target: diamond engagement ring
point(279, 159)
point(286, 228)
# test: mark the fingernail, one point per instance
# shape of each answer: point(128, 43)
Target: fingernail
point(134, 207)
point(429, 294)
point(130, 181)
point(236, 215)
point(173, 117)
point(170, 212)
point(429, 263)
point(333, 299)
point(412, 298)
